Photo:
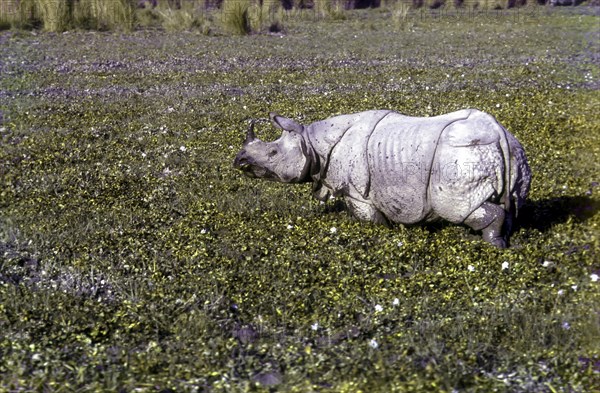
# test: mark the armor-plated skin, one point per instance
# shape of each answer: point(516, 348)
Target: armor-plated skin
point(462, 167)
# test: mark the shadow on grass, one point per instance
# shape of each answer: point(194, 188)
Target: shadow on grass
point(545, 213)
point(539, 214)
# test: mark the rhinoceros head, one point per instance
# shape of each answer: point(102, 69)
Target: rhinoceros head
point(285, 160)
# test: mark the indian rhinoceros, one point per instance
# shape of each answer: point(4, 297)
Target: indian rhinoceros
point(462, 167)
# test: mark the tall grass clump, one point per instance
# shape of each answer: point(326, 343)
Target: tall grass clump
point(61, 15)
point(190, 16)
point(486, 5)
point(268, 15)
point(21, 15)
point(400, 10)
point(329, 9)
point(235, 16)
point(102, 15)
point(56, 14)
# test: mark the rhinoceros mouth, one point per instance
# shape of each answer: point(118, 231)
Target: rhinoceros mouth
point(255, 171)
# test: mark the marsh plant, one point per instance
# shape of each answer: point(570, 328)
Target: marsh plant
point(61, 15)
point(266, 15)
point(191, 15)
point(23, 14)
point(114, 14)
point(329, 9)
point(400, 11)
point(55, 14)
point(241, 17)
point(235, 16)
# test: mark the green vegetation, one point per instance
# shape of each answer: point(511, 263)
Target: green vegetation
point(134, 258)
point(228, 17)
point(235, 16)
point(61, 15)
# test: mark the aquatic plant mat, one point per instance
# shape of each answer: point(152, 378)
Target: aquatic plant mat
point(134, 258)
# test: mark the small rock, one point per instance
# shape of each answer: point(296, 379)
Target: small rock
point(270, 378)
point(245, 334)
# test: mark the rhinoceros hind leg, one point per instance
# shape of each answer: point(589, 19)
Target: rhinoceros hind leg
point(489, 218)
point(365, 211)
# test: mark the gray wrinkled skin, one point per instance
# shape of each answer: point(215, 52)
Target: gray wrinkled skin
point(462, 167)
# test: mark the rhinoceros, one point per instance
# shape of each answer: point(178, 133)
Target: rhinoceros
point(462, 167)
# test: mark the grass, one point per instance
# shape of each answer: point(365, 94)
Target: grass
point(62, 15)
point(133, 257)
point(187, 18)
point(233, 17)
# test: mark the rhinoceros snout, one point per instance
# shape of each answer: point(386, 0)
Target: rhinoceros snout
point(240, 161)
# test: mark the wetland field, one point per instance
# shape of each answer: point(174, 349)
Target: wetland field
point(134, 258)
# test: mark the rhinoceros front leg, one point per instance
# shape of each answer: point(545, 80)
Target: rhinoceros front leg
point(365, 211)
point(489, 218)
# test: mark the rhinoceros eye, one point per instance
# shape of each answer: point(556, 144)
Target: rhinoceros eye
point(272, 152)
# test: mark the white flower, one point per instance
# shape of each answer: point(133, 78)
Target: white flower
point(290, 226)
point(547, 264)
point(396, 302)
point(378, 308)
point(566, 325)
point(373, 343)
point(333, 230)
point(574, 287)
point(315, 326)
point(505, 265)
point(560, 292)
point(182, 148)
point(203, 231)
point(400, 244)
point(471, 268)
point(143, 155)
point(594, 277)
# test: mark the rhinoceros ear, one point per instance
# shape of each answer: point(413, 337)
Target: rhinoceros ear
point(285, 124)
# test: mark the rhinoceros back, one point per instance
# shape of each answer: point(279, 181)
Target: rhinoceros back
point(401, 157)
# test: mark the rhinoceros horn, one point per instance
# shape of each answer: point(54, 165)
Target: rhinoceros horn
point(250, 136)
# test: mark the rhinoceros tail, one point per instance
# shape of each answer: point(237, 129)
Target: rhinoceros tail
point(507, 154)
point(520, 174)
point(491, 124)
point(506, 197)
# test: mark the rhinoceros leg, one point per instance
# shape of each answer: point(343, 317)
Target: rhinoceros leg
point(365, 211)
point(488, 218)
